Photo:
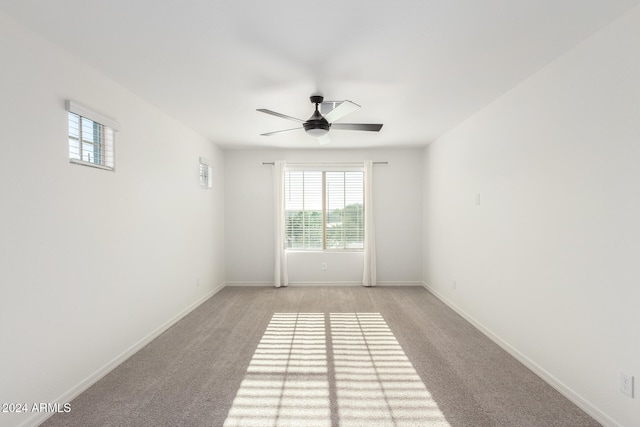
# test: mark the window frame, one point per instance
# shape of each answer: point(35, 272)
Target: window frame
point(107, 136)
point(207, 183)
point(324, 208)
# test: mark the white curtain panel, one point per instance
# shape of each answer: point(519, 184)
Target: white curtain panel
point(369, 273)
point(280, 277)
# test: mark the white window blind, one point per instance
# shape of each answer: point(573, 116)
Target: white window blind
point(303, 209)
point(324, 209)
point(91, 142)
point(344, 210)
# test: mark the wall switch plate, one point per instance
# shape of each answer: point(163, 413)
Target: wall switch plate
point(324, 266)
point(454, 285)
point(626, 384)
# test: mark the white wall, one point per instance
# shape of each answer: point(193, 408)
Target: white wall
point(249, 218)
point(548, 262)
point(92, 262)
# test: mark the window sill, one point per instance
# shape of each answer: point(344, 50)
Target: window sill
point(91, 165)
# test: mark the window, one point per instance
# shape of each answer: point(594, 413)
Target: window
point(206, 174)
point(91, 137)
point(324, 209)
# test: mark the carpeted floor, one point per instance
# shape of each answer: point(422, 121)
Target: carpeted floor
point(323, 356)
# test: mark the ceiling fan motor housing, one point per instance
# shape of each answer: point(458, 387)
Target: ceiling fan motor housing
point(317, 125)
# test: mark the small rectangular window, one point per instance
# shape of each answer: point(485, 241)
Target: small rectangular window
point(91, 137)
point(206, 174)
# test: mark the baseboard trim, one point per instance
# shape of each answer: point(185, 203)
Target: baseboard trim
point(562, 388)
point(235, 284)
point(343, 283)
point(311, 284)
point(406, 283)
point(118, 360)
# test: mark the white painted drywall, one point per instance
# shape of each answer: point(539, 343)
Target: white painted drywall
point(249, 218)
point(548, 261)
point(92, 261)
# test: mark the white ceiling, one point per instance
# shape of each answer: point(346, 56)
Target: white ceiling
point(419, 67)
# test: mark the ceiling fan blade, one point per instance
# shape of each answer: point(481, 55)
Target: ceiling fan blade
point(357, 126)
point(277, 131)
point(324, 139)
point(341, 110)
point(273, 113)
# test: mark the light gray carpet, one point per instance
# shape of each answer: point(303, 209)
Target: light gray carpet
point(339, 356)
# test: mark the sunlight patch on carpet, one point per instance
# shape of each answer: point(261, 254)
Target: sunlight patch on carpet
point(376, 384)
point(286, 382)
point(292, 379)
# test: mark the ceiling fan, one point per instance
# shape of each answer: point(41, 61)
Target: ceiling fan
point(318, 125)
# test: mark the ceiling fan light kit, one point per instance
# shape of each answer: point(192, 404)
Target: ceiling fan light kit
point(318, 125)
point(317, 132)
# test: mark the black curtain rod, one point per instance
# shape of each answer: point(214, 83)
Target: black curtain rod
point(375, 163)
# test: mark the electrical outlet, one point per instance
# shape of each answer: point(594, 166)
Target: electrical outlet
point(324, 266)
point(626, 384)
point(197, 283)
point(454, 285)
